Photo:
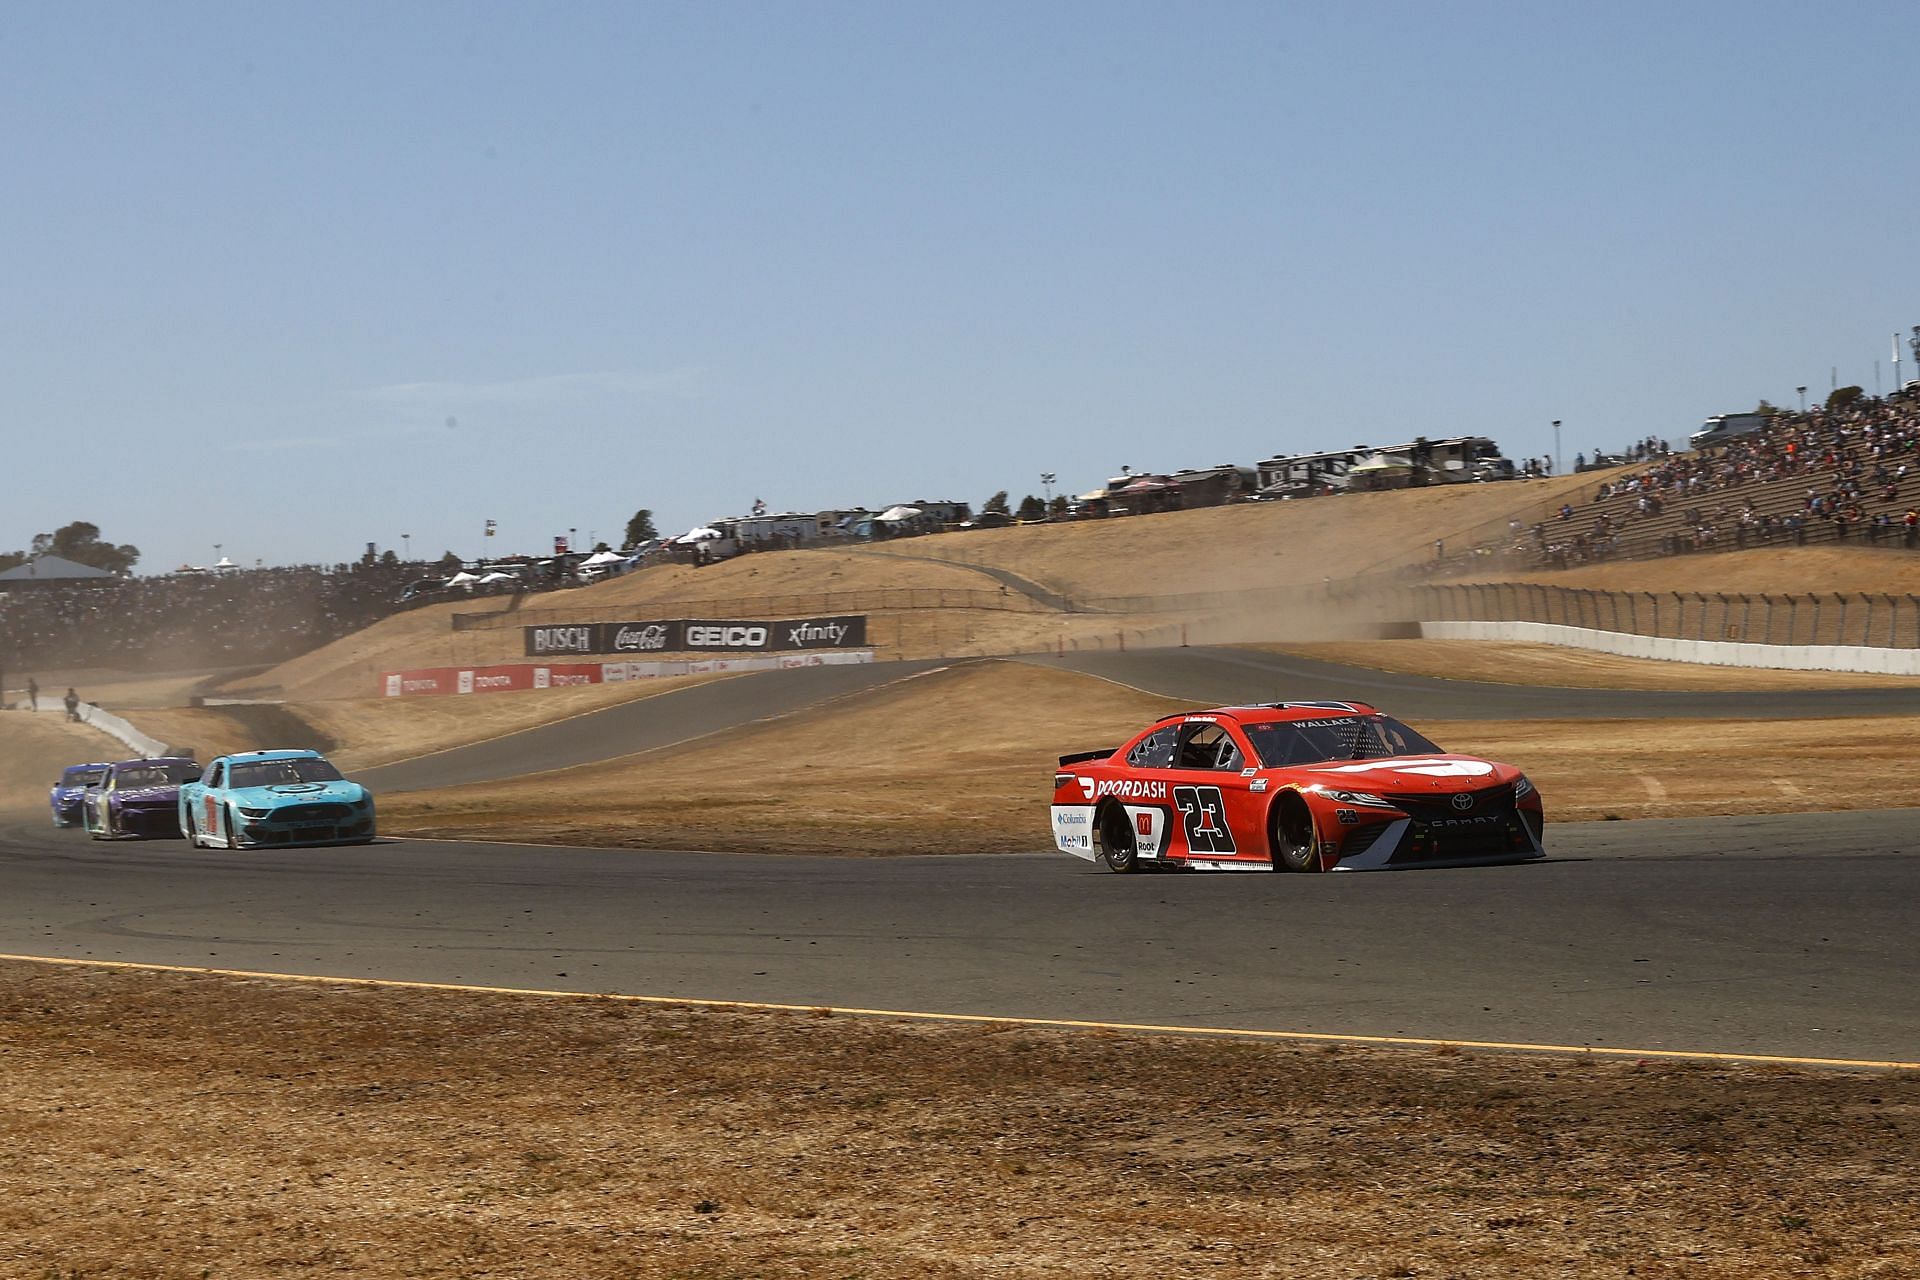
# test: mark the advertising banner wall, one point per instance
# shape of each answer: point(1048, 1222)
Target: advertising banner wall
point(553, 675)
point(457, 680)
point(698, 635)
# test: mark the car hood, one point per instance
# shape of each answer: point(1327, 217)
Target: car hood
point(299, 793)
point(1438, 774)
point(148, 795)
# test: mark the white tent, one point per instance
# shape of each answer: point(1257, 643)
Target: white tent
point(224, 563)
point(702, 534)
point(894, 515)
point(463, 579)
point(495, 576)
point(602, 557)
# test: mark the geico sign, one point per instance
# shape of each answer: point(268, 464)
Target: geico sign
point(706, 637)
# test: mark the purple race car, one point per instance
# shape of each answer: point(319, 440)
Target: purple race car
point(66, 793)
point(138, 799)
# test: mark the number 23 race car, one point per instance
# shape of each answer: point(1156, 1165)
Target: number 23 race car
point(1293, 786)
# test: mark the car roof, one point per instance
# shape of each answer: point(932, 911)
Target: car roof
point(251, 757)
point(97, 764)
point(1273, 712)
point(132, 764)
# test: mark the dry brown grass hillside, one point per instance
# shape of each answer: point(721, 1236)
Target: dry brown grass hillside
point(1219, 549)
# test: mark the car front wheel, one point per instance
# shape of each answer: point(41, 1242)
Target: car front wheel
point(1293, 840)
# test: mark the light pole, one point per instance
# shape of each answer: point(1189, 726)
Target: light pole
point(1556, 446)
point(1046, 485)
point(1803, 398)
point(406, 544)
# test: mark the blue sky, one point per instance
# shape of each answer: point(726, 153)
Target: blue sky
point(291, 278)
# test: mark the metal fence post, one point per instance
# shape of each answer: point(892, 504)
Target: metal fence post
point(1840, 628)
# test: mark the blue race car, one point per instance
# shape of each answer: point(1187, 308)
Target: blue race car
point(257, 799)
point(66, 793)
point(138, 799)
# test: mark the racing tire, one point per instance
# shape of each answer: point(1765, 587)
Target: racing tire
point(1293, 842)
point(1118, 847)
point(186, 828)
point(233, 828)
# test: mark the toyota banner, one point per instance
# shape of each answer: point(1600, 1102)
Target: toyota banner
point(697, 635)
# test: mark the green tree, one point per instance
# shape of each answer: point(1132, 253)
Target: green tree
point(388, 559)
point(1060, 505)
point(640, 529)
point(997, 504)
point(80, 542)
point(1845, 397)
point(1032, 508)
point(450, 562)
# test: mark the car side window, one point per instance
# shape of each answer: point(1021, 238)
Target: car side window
point(1155, 751)
point(1206, 746)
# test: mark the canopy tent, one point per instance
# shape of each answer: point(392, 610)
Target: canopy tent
point(224, 563)
point(463, 579)
point(496, 576)
point(701, 534)
point(602, 557)
point(894, 515)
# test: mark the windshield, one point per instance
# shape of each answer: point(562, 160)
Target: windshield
point(1335, 738)
point(268, 773)
point(82, 777)
point(156, 775)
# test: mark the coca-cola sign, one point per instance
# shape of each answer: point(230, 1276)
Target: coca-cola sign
point(641, 637)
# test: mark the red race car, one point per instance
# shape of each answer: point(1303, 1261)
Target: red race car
point(1290, 786)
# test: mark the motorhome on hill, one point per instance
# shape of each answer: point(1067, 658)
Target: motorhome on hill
point(1457, 459)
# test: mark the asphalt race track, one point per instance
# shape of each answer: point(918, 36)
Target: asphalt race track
point(1787, 935)
point(1783, 936)
point(644, 724)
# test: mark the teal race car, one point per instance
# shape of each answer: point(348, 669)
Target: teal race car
point(274, 799)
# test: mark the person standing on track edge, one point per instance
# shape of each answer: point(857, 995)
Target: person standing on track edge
point(73, 704)
point(33, 694)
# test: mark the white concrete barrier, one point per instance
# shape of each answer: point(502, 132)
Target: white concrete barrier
point(1716, 653)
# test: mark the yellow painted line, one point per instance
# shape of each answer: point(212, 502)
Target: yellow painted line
point(1072, 1024)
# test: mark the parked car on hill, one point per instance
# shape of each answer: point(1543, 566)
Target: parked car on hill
point(1293, 786)
point(66, 794)
point(258, 799)
point(137, 799)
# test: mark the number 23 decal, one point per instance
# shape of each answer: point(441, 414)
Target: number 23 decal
point(1204, 814)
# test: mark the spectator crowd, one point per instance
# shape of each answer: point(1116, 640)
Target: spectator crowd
point(1823, 475)
point(232, 618)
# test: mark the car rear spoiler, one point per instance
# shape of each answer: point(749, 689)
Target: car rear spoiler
point(1080, 756)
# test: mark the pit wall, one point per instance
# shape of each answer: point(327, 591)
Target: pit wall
point(427, 681)
point(1717, 653)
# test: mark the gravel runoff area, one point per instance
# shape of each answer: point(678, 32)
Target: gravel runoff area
point(174, 1125)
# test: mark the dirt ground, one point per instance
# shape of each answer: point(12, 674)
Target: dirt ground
point(162, 1126)
point(1769, 570)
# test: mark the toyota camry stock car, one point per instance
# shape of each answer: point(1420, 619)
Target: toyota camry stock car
point(1295, 786)
point(137, 799)
point(274, 798)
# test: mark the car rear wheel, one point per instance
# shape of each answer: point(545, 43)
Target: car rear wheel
point(1118, 847)
point(1292, 839)
point(233, 828)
